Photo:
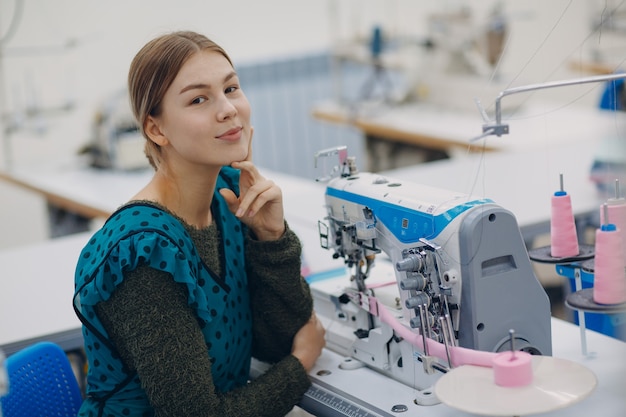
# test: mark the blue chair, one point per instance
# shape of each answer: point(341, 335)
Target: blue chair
point(41, 383)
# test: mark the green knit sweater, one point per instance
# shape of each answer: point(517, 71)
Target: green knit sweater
point(181, 383)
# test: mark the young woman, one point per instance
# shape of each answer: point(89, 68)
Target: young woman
point(199, 272)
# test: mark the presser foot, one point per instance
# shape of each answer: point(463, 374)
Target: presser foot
point(348, 364)
point(426, 396)
point(430, 364)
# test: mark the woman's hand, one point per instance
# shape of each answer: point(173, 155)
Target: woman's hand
point(260, 202)
point(309, 342)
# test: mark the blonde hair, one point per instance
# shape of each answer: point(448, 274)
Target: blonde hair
point(153, 70)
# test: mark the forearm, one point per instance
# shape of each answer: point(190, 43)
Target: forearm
point(157, 336)
point(280, 297)
point(286, 378)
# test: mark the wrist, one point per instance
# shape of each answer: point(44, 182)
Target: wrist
point(266, 235)
point(305, 360)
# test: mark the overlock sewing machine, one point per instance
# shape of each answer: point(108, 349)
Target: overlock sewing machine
point(463, 278)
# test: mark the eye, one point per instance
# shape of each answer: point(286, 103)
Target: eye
point(231, 89)
point(198, 100)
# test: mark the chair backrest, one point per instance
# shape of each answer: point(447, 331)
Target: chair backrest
point(41, 383)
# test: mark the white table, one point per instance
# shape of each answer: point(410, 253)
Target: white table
point(533, 126)
point(36, 296)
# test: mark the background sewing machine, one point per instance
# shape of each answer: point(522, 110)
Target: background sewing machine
point(116, 141)
point(462, 276)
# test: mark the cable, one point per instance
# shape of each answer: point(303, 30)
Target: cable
point(597, 30)
point(18, 12)
point(558, 21)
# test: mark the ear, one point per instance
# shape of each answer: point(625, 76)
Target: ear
point(153, 131)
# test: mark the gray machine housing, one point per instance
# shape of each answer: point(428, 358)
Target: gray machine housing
point(496, 270)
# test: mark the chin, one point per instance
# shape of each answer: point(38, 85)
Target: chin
point(238, 154)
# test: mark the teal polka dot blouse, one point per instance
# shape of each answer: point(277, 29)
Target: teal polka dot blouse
point(139, 234)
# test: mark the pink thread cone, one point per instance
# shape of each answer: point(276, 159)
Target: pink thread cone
point(513, 369)
point(617, 216)
point(609, 282)
point(563, 236)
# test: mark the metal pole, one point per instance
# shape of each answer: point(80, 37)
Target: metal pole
point(499, 129)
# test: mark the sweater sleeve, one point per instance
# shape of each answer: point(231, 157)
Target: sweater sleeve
point(280, 297)
point(158, 336)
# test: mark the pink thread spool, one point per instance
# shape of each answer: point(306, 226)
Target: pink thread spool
point(563, 236)
point(512, 368)
point(616, 211)
point(609, 282)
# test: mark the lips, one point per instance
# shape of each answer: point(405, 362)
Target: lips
point(232, 134)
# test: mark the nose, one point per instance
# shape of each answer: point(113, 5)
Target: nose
point(227, 109)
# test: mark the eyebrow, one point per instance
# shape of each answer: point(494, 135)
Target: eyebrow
point(208, 86)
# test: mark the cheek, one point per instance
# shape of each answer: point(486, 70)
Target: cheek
point(243, 108)
point(186, 135)
point(188, 126)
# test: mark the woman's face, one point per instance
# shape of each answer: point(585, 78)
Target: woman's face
point(205, 117)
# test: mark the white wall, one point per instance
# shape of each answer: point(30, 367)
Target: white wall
point(106, 34)
point(79, 50)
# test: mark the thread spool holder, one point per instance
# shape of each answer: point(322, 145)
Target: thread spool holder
point(573, 264)
point(583, 299)
point(544, 255)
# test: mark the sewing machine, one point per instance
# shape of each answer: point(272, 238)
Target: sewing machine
point(462, 277)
